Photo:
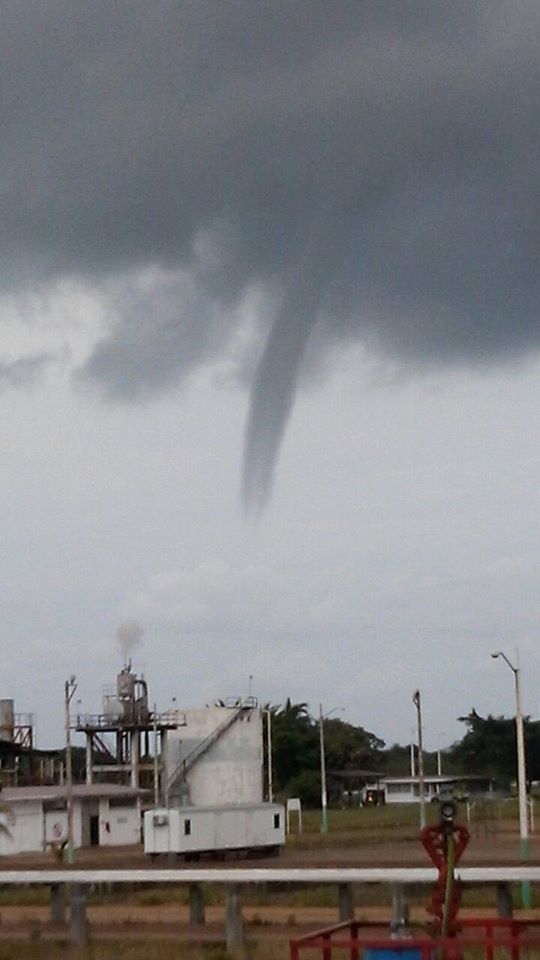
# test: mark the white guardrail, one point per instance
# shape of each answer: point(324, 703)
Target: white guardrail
point(322, 875)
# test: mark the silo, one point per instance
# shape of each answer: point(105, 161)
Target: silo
point(7, 719)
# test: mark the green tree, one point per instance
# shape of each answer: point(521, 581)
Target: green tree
point(296, 750)
point(350, 748)
point(489, 746)
point(294, 743)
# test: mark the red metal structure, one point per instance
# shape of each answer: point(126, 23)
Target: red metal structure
point(444, 938)
point(445, 843)
point(488, 937)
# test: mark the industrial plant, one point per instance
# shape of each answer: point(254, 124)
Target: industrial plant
point(182, 774)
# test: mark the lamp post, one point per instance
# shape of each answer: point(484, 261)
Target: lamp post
point(417, 700)
point(324, 798)
point(521, 775)
point(69, 692)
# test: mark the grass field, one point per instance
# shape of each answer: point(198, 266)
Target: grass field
point(366, 823)
point(122, 950)
point(397, 820)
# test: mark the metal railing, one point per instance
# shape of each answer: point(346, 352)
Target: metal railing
point(297, 875)
point(484, 935)
point(79, 882)
point(105, 721)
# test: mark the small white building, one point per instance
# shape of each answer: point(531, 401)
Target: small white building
point(407, 789)
point(257, 828)
point(35, 818)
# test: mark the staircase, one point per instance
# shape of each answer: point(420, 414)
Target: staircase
point(177, 782)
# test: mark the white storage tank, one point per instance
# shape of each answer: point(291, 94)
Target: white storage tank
point(7, 719)
point(191, 831)
point(222, 750)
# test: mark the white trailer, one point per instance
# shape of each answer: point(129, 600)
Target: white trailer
point(192, 831)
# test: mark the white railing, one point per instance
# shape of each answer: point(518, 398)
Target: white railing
point(318, 875)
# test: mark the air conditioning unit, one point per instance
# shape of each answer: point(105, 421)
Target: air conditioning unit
point(160, 819)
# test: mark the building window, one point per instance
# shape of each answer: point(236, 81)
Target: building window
point(187, 828)
point(398, 788)
point(277, 821)
point(53, 805)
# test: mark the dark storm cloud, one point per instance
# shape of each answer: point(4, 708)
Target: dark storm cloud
point(373, 166)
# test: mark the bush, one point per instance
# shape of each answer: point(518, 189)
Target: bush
point(307, 786)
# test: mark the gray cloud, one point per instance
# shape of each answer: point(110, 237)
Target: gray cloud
point(372, 168)
point(21, 372)
point(164, 327)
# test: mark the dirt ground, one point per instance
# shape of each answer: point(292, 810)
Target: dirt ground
point(501, 849)
point(138, 923)
point(132, 920)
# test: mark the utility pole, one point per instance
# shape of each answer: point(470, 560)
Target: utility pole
point(69, 692)
point(324, 798)
point(269, 755)
point(417, 700)
point(156, 767)
point(324, 802)
point(413, 759)
point(439, 754)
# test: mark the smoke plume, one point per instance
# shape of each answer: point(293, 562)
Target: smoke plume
point(129, 635)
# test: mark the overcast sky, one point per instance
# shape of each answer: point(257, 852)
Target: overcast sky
point(270, 361)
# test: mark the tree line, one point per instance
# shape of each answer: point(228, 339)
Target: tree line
point(488, 747)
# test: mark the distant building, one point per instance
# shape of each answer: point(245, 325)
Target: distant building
point(407, 789)
point(352, 787)
point(35, 818)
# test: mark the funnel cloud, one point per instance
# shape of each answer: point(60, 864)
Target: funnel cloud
point(369, 169)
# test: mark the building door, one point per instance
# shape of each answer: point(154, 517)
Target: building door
point(94, 831)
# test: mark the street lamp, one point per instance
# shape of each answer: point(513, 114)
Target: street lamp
point(521, 774)
point(324, 798)
point(69, 693)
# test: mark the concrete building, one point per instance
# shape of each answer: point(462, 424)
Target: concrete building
point(35, 818)
point(216, 757)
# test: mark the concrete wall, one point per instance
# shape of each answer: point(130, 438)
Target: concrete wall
point(231, 770)
point(25, 826)
point(222, 828)
point(119, 825)
point(31, 829)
